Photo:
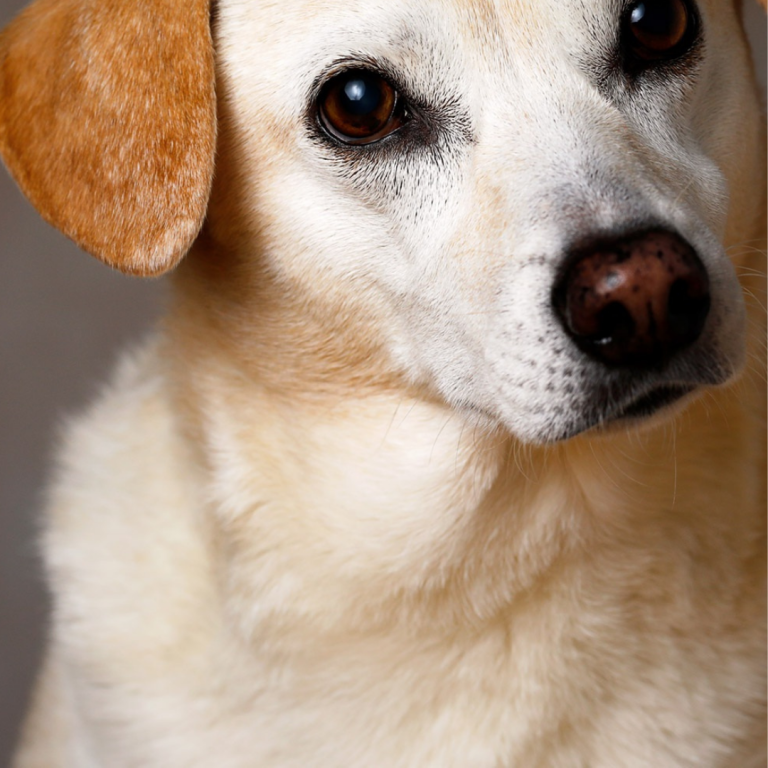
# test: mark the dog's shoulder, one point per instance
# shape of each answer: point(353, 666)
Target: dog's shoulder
point(120, 530)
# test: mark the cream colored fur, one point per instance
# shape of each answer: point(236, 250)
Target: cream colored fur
point(311, 522)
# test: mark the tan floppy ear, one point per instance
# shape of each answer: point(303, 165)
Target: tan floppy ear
point(108, 123)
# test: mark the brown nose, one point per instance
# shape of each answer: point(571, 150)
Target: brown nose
point(634, 301)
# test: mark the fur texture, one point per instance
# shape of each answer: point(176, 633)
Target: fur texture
point(344, 509)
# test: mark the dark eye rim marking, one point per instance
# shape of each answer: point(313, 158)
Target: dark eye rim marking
point(677, 59)
point(431, 122)
point(381, 127)
point(411, 113)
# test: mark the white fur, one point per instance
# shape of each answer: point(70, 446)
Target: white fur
point(420, 575)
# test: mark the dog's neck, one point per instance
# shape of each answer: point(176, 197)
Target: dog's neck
point(337, 493)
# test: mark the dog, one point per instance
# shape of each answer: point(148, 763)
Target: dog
point(450, 450)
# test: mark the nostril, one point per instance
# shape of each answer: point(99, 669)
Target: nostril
point(688, 308)
point(615, 325)
point(634, 300)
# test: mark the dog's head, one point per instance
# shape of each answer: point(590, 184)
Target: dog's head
point(528, 201)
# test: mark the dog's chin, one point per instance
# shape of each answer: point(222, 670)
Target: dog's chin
point(636, 412)
point(645, 411)
point(658, 405)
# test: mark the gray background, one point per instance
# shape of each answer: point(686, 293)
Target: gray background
point(63, 318)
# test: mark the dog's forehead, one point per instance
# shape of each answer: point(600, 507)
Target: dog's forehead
point(493, 30)
point(444, 49)
point(304, 36)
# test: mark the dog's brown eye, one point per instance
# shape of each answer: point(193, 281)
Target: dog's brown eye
point(659, 29)
point(359, 107)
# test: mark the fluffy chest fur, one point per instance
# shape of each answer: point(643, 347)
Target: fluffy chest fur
point(481, 608)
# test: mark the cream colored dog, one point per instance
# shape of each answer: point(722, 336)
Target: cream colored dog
point(451, 449)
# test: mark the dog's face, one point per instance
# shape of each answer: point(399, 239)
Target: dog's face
point(476, 180)
point(511, 134)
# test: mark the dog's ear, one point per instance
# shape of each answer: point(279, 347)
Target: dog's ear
point(108, 123)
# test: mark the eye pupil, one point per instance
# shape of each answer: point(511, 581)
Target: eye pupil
point(659, 29)
point(359, 107)
point(361, 97)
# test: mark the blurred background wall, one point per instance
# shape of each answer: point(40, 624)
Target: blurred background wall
point(63, 319)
